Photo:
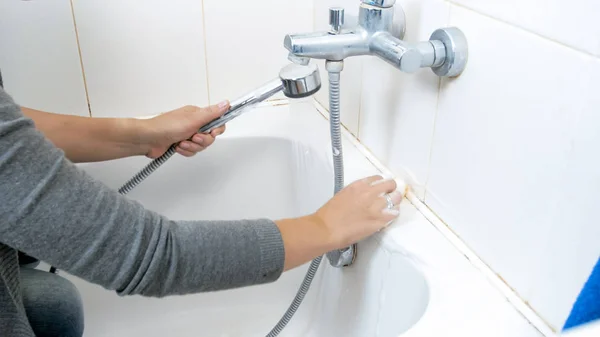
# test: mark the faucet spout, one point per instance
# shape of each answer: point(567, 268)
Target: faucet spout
point(324, 45)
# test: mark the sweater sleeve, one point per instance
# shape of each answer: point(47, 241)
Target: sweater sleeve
point(52, 210)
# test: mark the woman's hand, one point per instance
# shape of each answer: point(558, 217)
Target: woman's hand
point(353, 214)
point(359, 210)
point(182, 126)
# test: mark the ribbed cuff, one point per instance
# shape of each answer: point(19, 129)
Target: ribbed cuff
point(272, 253)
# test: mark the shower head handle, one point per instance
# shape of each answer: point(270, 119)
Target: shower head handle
point(296, 81)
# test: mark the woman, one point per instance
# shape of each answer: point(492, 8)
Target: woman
point(55, 212)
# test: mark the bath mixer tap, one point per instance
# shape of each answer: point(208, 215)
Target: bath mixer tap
point(445, 52)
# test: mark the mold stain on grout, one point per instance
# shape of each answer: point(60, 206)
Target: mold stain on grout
point(278, 102)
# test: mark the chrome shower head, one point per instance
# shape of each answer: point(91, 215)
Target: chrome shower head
point(300, 80)
point(296, 81)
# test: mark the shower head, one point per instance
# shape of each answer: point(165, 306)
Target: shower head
point(296, 81)
point(300, 80)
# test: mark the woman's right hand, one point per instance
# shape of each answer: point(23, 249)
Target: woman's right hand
point(356, 212)
point(359, 210)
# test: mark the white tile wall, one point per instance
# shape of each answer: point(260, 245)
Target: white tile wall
point(244, 41)
point(351, 77)
point(39, 59)
point(398, 109)
point(503, 155)
point(574, 23)
point(142, 59)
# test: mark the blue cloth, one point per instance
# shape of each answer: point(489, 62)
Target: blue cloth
point(587, 305)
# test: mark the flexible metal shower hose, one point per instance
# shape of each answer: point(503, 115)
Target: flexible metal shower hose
point(338, 169)
point(147, 171)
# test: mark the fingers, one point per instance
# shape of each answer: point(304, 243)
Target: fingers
point(370, 180)
point(191, 146)
point(381, 204)
point(203, 139)
point(198, 142)
point(217, 110)
point(218, 131)
point(382, 210)
point(201, 116)
point(184, 153)
point(383, 186)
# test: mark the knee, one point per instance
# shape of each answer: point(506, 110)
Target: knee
point(53, 304)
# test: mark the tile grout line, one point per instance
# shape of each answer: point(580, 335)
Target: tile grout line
point(362, 72)
point(205, 52)
point(85, 86)
point(435, 117)
point(519, 27)
point(432, 138)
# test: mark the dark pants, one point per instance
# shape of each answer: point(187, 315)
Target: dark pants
point(52, 304)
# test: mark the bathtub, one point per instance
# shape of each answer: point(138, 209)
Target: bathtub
point(275, 162)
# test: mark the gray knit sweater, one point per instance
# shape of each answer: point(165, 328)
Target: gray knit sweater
point(51, 210)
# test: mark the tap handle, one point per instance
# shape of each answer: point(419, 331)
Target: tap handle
point(336, 19)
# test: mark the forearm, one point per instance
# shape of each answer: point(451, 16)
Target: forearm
point(52, 210)
point(85, 139)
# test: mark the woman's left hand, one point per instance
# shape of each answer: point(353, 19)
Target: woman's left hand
point(181, 126)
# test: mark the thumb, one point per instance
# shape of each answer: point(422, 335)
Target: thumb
point(214, 111)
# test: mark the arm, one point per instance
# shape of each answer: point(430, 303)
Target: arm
point(85, 139)
point(52, 210)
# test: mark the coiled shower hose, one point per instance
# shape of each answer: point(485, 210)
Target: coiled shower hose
point(338, 165)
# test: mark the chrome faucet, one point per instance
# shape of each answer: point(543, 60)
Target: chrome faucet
point(376, 34)
point(445, 52)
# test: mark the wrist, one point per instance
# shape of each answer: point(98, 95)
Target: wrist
point(137, 134)
point(304, 239)
point(327, 238)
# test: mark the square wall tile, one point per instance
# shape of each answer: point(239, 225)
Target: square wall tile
point(398, 109)
point(244, 42)
point(572, 239)
point(351, 76)
point(142, 59)
point(503, 140)
point(39, 59)
point(574, 23)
